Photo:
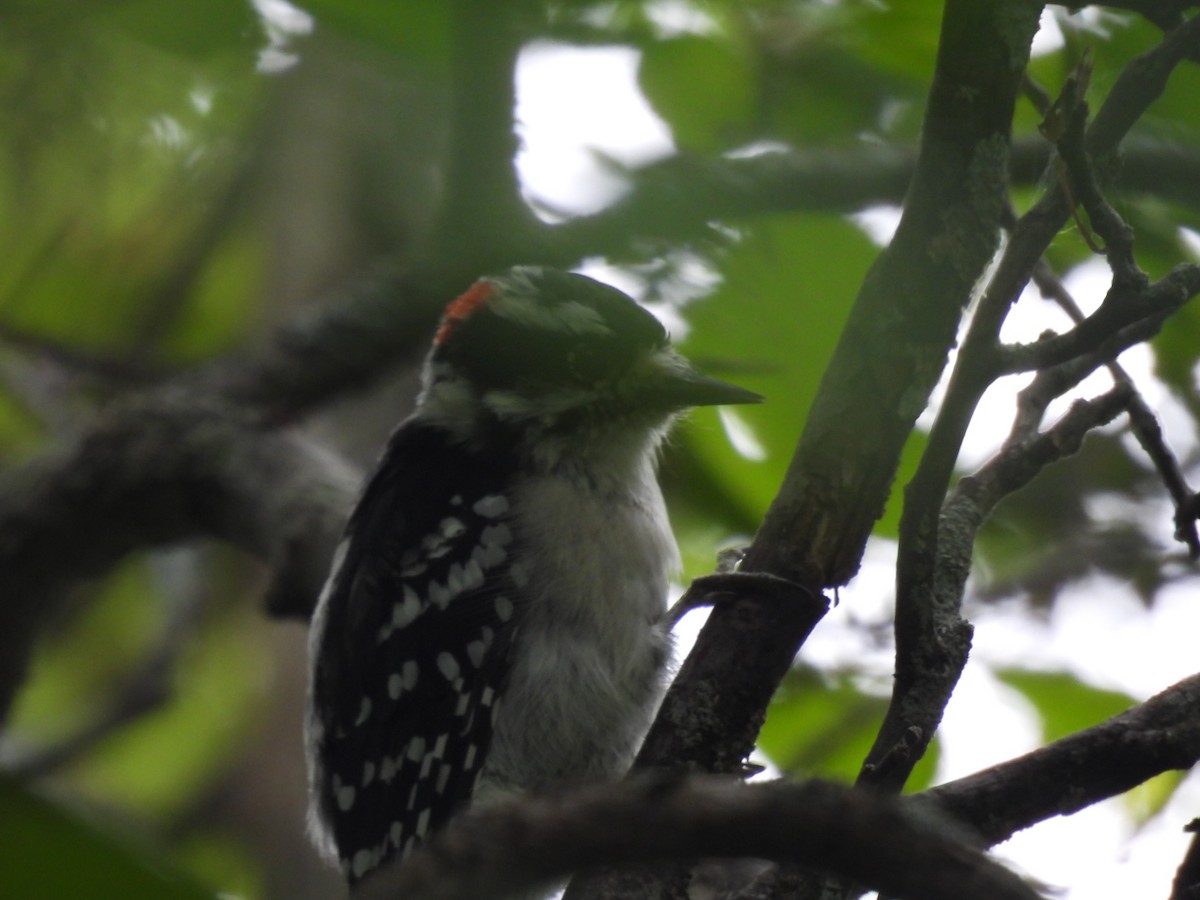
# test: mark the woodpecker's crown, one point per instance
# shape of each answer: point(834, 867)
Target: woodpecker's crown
point(536, 342)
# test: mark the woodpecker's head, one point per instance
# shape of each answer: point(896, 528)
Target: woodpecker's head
point(557, 357)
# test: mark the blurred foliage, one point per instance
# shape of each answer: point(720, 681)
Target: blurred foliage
point(821, 725)
point(166, 171)
point(53, 851)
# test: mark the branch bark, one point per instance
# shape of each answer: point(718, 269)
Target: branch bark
point(863, 836)
point(1160, 735)
point(154, 471)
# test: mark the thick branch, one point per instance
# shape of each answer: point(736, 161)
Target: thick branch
point(678, 198)
point(906, 315)
point(346, 341)
point(856, 834)
point(154, 472)
point(1160, 735)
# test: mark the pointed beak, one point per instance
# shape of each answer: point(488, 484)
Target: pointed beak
point(672, 382)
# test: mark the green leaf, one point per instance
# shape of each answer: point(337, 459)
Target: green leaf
point(54, 852)
point(161, 763)
point(889, 523)
point(190, 28)
point(1065, 703)
point(419, 29)
point(771, 327)
point(900, 38)
point(704, 88)
point(158, 764)
point(820, 726)
point(1175, 349)
point(216, 315)
point(1149, 798)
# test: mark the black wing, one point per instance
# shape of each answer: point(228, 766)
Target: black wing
point(411, 646)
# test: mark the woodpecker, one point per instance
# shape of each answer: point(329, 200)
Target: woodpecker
point(493, 622)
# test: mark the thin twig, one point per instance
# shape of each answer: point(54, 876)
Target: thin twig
point(1142, 419)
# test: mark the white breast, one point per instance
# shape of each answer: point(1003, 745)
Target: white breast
point(591, 646)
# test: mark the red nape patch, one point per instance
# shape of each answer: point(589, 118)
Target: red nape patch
point(461, 308)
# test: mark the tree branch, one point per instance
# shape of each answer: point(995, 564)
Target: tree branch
point(154, 471)
point(931, 640)
point(1142, 419)
point(678, 198)
point(860, 835)
point(906, 315)
point(1160, 735)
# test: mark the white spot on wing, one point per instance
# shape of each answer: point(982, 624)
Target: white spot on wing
point(447, 665)
point(406, 609)
point(364, 711)
point(345, 798)
point(488, 556)
point(518, 575)
point(364, 861)
point(422, 823)
point(443, 778)
point(491, 506)
point(472, 575)
point(475, 651)
point(504, 608)
point(469, 759)
point(368, 773)
point(416, 749)
point(455, 578)
point(395, 685)
point(451, 527)
point(410, 671)
point(440, 596)
point(497, 535)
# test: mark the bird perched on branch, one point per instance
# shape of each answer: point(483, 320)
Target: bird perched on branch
point(493, 623)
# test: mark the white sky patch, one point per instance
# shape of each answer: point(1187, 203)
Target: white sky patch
point(616, 276)
point(741, 435)
point(1191, 240)
point(1049, 37)
point(673, 18)
point(879, 223)
point(579, 111)
point(693, 277)
point(202, 99)
point(282, 22)
point(168, 131)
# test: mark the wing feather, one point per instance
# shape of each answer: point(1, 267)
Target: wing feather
point(415, 630)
